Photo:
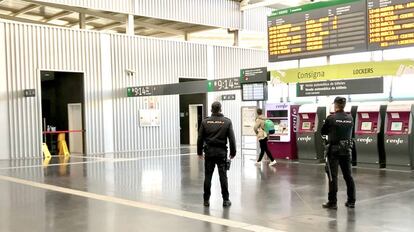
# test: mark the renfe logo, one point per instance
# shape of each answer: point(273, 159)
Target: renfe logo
point(295, 119)
point(366, 140)
point(395, 141)
point(281, 106)
point(305, 139)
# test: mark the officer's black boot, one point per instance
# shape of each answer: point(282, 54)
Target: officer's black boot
point(206, 203)
point(350, 205)
point(330, 205)
point(226, 203)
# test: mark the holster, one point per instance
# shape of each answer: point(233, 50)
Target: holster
point(228, 164)
point(344, 147)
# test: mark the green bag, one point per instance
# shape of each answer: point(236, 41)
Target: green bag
point(269, 126)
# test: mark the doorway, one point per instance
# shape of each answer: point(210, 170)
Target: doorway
point(195, 118)
point(198, 103)
point(63, 109)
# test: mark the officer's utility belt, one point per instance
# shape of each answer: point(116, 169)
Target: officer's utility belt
point(215, 144)
point(344, 147)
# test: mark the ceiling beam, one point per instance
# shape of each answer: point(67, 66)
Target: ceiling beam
point(24, 10)
point(110, 26)
point(198, 28)
point(264, 4)
point(80, 10)
point(23, 20)
point(159, 28)
point(57, 16)
point(87, 20)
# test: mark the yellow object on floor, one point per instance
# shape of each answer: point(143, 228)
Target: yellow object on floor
point(62, 146)
point(46, 152)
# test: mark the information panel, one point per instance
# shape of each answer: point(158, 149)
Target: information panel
point(340, 87)
point(254, 92)
point(253, 75)
point(318, 29)
point(391, 24)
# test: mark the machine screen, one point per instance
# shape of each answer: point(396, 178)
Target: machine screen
point(396, 126)
point(366, 126)
point(306, 125)
point(277, 113)
point(281, 127)
point(395, 115)
point(364, 115)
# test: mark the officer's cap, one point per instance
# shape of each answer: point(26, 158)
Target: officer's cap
point(340, 100)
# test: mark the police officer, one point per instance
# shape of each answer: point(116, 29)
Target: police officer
point(338, 127)
point(212, 137)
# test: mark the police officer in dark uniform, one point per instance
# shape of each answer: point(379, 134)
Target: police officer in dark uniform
point(339, 127)
point(212, 137)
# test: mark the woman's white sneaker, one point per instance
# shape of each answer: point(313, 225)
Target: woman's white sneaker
point(258, 163)
point(273, 163)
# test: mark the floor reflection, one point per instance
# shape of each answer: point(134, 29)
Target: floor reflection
point(288, 196)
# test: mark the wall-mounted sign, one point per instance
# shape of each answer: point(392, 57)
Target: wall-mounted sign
point(345, 71)
point(140, 91)
point(317, 29)
point(254, 92)
point(149, 118)
point(223, 84)
point(190, 87)
point(339, 26)
point(390, 24)
point(228, 97)
point(253, 75)
point(29, 93)
point(340, 87)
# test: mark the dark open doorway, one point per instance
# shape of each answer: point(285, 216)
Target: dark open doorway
point(63, 109)
point(192, 111)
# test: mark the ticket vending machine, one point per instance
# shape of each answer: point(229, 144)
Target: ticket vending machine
point(369, 135)
point(282, 143)
point(398, 138)
point(308, 137)
point(351, 109)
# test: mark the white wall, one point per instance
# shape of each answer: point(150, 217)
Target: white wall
point(4, 111)
point(32, 48)
point(155, 62)
point(227, 63)
point(111, 118)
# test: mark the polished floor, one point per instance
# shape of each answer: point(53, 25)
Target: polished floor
point(162, 191)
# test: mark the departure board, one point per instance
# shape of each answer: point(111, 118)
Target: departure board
point(318, 29)
point(391, 24)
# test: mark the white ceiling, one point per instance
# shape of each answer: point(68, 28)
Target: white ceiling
point(20, 10)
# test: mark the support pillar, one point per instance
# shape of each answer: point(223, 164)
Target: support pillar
point(236, 36)
point(130, 25)
point(82, 21)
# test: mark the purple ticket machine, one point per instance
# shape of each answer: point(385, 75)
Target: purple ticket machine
point(282, 144)
point(309, 138)
point(369, 135)
point(398, 138)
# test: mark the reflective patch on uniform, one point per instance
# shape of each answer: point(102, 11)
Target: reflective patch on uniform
point(343, 121)
point(215, 122)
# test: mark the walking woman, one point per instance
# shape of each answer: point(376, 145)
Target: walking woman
point(261, 135)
